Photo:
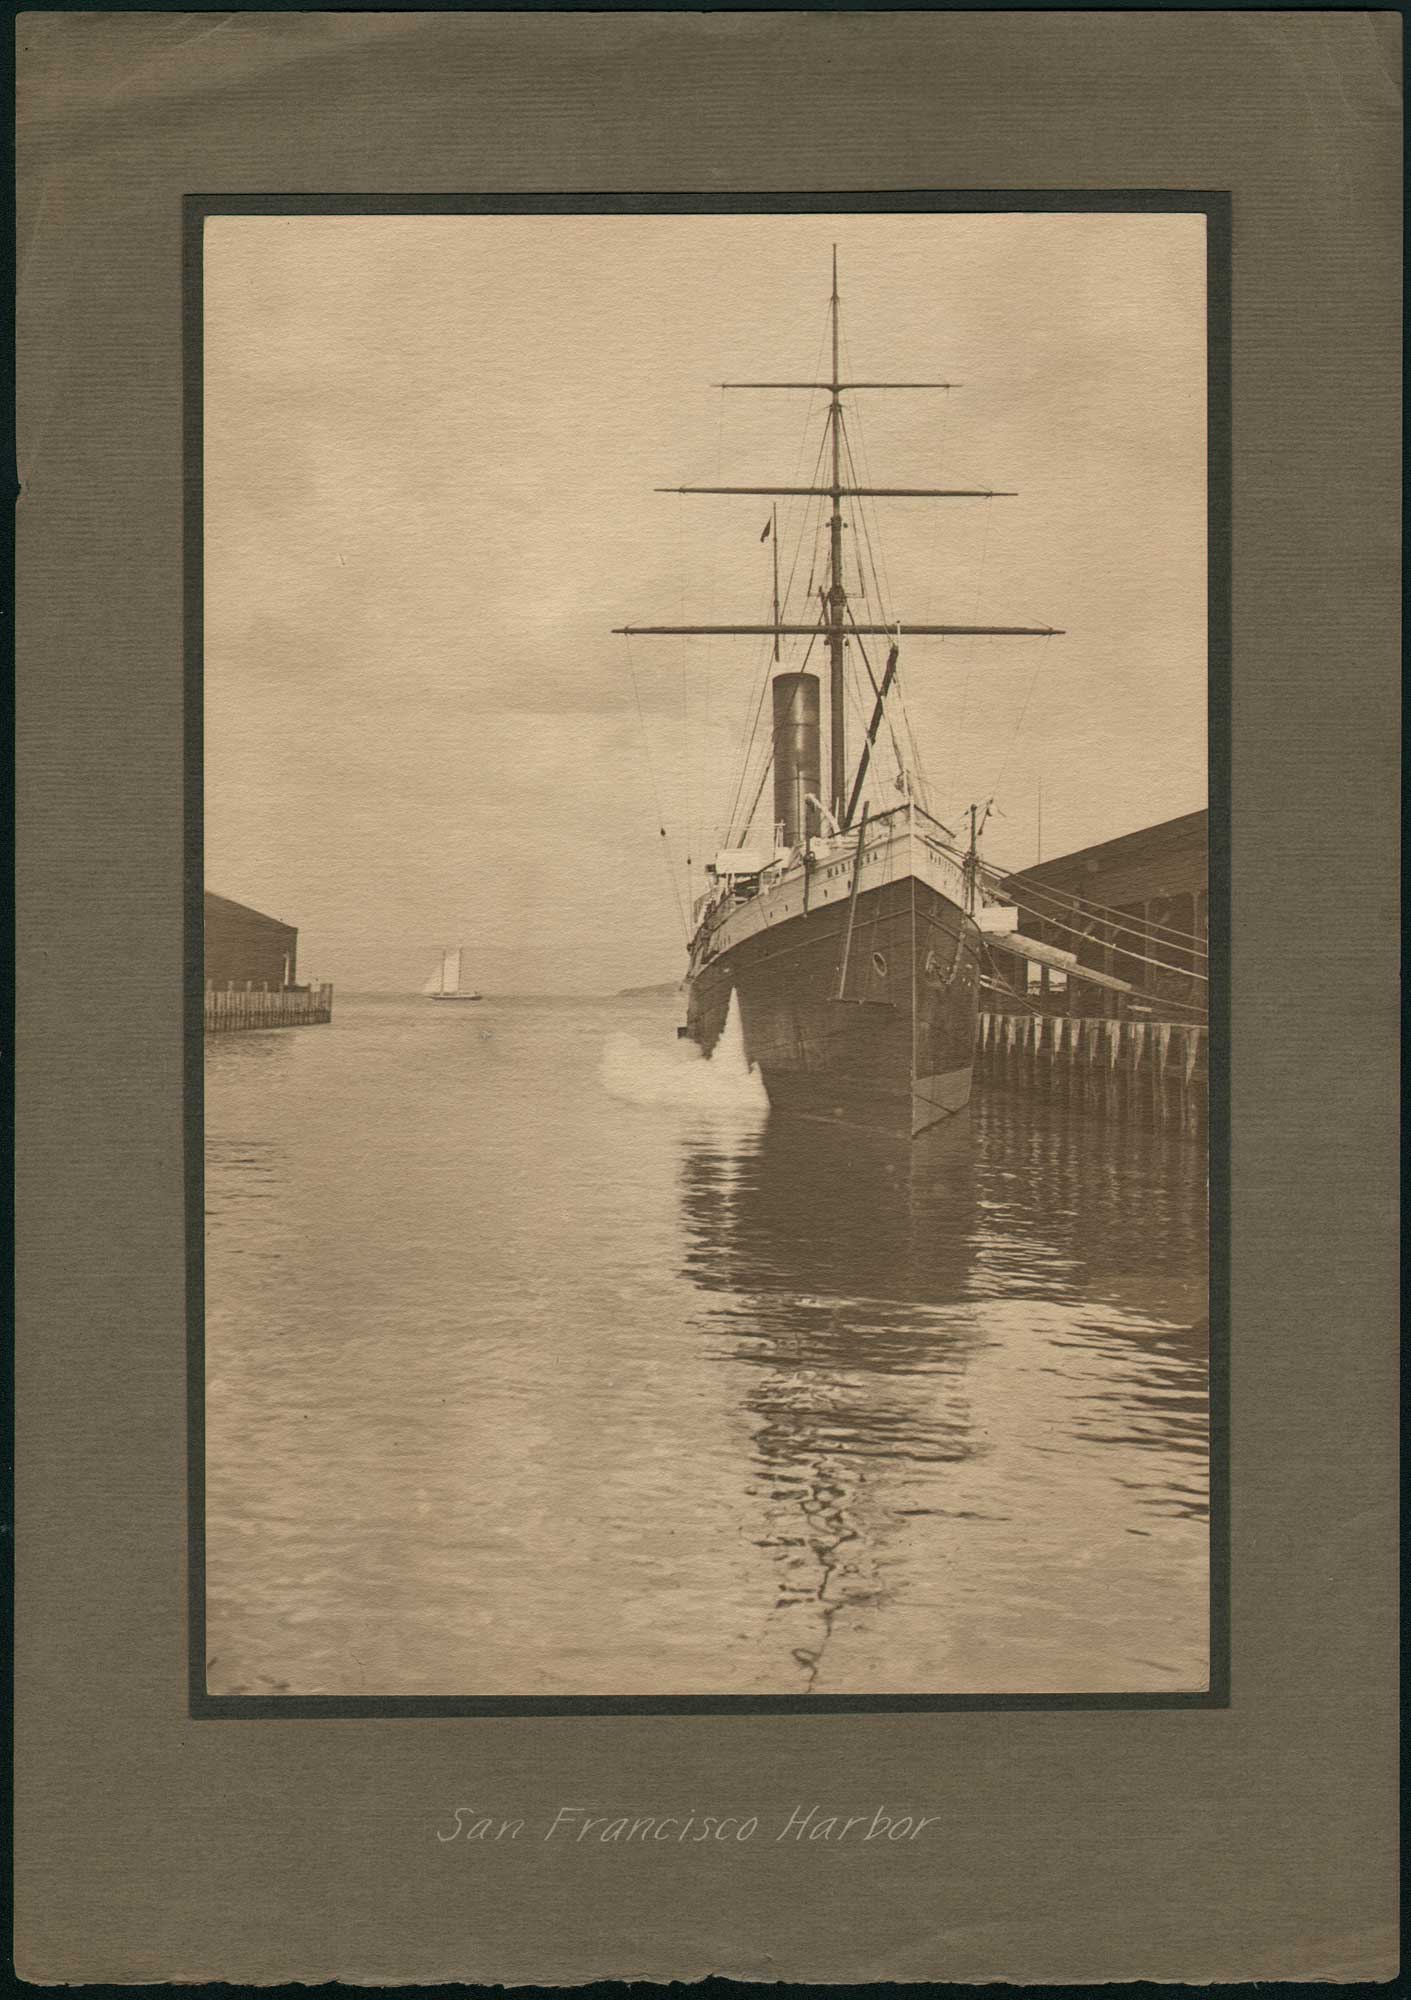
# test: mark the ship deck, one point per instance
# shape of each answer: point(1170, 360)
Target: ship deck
point(905, 842)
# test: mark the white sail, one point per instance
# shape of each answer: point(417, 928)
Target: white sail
point(433, 984)
point(451, 971)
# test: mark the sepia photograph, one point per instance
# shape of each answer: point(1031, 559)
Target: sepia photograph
point(705, 955)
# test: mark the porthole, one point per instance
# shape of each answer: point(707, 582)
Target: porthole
point(879, 965)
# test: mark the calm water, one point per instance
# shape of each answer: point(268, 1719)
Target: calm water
point(540, 1361)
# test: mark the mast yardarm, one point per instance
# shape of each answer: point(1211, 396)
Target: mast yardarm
point(866, 631)
point(835, 622)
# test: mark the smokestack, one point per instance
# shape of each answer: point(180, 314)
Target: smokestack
point(797, 770)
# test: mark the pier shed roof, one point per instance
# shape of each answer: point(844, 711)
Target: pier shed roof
point(1168, 859)
point(243, 946)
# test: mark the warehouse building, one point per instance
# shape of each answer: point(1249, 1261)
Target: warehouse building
point(246, 949)
point(1136, 908)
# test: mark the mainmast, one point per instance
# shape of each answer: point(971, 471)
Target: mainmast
point(835, 622)
point(837, 595)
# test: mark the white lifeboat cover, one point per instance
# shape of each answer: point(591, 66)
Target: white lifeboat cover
point(741, 861)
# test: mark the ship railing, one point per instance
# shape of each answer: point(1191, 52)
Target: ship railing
point(835, 846)
point(882, 829)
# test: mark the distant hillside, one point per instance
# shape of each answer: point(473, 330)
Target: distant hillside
point(668, 986)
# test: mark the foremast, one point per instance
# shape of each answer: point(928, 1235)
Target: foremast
point(836, 622)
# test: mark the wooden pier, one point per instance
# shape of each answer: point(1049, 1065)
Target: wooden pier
point(1152, 1071)
point(232, 1007)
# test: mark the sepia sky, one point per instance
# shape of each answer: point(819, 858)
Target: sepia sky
point(430, 449)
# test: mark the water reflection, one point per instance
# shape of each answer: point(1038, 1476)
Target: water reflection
point(1123, 1212)
point(890, 1316)
point(838, 1266)
point(531, 1374)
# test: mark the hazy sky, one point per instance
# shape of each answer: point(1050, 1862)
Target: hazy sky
point(431, 444)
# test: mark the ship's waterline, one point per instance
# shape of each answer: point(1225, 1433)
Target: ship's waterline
point(856, 968)
point(581, 1379)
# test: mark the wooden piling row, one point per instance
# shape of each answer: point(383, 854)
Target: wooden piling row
point(232, 1007)
point(1152, 1071)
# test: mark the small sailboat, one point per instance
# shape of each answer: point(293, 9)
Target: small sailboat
point(445, 982)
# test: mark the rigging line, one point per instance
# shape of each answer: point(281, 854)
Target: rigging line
point(685, 716)
point(820, 516)
point(913, 766)
point(861, 515)
point(923, 780)
point(1033, 683)
point(656, 794)
point(809, 407)
point(883, 599)
point(911, 954)
point(768, 763)
point(884, 595)
point(816, 505)
point(889, 877)
point(1185, 942)
point(742, 779)
point(765, 768)
point(704, 462)
point(857, 640)
point(896, 689)
point(749, 739)
point(796, 528)
point(748, 820)
point(970, 650)
point(1003, 984)
point(1075, 974)
point(1105, 923)
point(855, 701)
point(1112, 932)
point(748, 732)
point(703, 787)
point(754, 807)
point(1085, 906)
point(896, 747)
point(1075, 904)
point(768, 757)
point(862, 716)
point(692, 775)
point(796, 511)
point(1121, 951)
point(882, 569)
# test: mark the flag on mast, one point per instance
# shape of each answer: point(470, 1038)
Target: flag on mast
point(767, 526)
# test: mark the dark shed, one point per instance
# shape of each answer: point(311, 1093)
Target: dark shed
point(244, 947)
point(1144, 912)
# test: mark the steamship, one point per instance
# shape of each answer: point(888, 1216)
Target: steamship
point(850, 935)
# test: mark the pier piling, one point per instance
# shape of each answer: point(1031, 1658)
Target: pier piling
point(233, 1007)
point(1154, 1072)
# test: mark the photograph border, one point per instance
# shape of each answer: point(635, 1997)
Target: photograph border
point(1216, 207)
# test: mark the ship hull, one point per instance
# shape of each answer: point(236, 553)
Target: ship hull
point(895, 1052)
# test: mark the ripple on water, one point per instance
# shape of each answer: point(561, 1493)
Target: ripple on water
point(540, 1359)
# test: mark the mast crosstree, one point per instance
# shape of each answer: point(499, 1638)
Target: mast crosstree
point(836, 622)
